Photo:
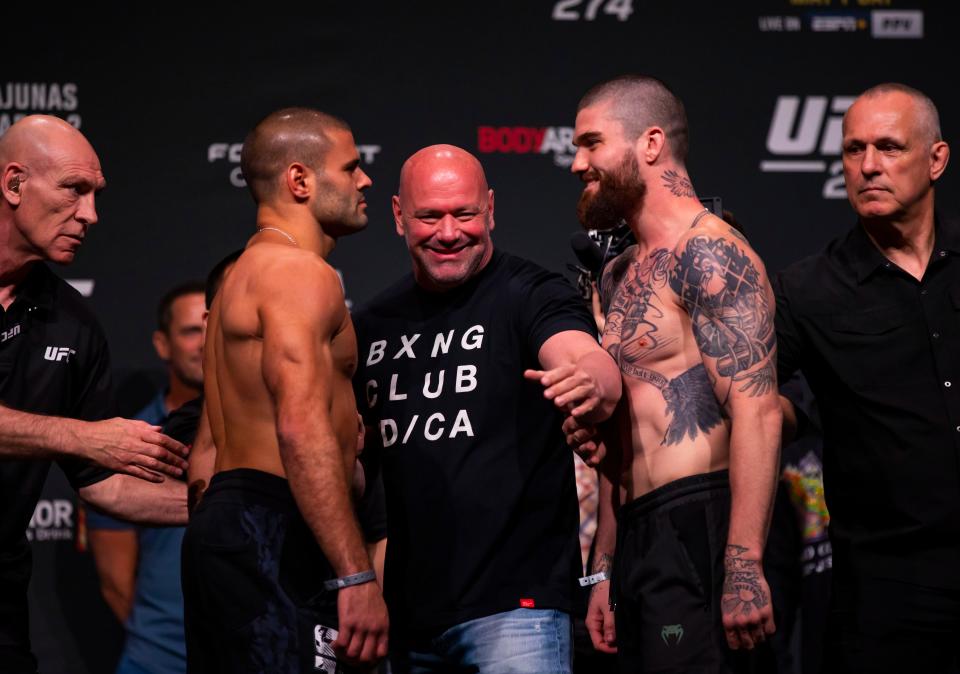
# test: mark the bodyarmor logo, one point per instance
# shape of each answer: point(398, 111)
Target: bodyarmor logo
point(557, 140)
point(808, 130)
point(230, 152)
point(59, 353)
point(52, 521)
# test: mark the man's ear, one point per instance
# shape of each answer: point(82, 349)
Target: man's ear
point(651, 145)
point(11, 182)
point(397, 215)
point(299, 181)
point(161, 344)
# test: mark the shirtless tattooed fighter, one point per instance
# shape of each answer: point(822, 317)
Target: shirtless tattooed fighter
point(694, 450)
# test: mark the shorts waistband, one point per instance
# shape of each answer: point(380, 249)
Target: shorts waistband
point(254, 483)
point(676, 490)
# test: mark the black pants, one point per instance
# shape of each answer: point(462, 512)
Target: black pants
point(253, 581)
point(881, 625)
point(668, 579)
point(15, 655)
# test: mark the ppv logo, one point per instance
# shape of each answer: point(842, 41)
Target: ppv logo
point(885, 23)
point(528, 140)
point(230, 152)
point(809, 131)
point(59, 353)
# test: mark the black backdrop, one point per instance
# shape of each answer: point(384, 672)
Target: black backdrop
point(166, 99)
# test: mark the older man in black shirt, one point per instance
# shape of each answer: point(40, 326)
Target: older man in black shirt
point(54, 368)
point(874, 323)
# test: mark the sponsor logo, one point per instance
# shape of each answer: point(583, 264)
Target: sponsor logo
point(805, 136)
point(52, 521)
point(555, 140)
point(59, 353)
point(19, 99)
point(229, 153)
point(888, 23)
point(672, 632)
point(838, 23)
point(10, 334)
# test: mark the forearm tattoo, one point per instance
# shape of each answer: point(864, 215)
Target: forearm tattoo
point(742, 590)
point(602, 563)
point(732, 320)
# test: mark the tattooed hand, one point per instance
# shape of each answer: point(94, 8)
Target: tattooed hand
point(599, 619)
point(745, 603)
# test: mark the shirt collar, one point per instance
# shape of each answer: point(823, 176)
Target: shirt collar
point(866, 258)
point(37, 289)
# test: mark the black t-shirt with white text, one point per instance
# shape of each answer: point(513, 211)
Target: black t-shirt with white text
point(482, 511)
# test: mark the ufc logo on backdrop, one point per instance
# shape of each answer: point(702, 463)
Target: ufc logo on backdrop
point(804, 132)
point(59, 353)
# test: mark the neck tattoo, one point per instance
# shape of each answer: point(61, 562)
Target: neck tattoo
point(280, 231)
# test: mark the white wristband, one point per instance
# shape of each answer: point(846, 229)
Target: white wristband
point(598, 577)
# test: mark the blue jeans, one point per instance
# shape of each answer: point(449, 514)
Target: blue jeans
point(522, 641)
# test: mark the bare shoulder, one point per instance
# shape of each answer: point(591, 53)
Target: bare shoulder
point(714, 242)
point(284, 275)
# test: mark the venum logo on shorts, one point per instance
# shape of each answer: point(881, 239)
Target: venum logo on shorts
point(325, 660)
point(805, 136)
point(672, 632)
point(556, 140)
point(59, 354)
point(19, 99)
point(230, 153)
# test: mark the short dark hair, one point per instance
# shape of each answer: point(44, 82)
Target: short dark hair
point(215, 277)
point(165, 307)
point(281, 138)
point(639, 102)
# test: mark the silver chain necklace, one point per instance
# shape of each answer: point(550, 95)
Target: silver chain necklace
point(280, 231)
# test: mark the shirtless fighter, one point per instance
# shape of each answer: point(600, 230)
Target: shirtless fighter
point(689, 319)
point(274, 563)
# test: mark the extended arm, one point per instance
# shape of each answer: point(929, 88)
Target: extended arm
point(122, 445)
point(579, 376)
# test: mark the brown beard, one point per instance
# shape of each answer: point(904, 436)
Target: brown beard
point(619, 192)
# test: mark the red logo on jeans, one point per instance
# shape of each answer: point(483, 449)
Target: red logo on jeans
point(527, 603)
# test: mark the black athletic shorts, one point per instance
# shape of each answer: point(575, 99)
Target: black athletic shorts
point(253, 581)
point(668, 579)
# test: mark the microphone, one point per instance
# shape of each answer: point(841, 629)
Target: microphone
point(588, 252)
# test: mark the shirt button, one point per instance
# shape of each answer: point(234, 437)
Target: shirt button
point(947, 384)
point(923, 292)
point(936, 335)
point(943, 253)
point(887, 265)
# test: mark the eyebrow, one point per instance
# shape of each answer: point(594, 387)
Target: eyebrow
point(586, 136)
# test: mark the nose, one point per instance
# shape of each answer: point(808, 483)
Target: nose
point(363, 180)
point(870, 165)
point(86, 211)
point(579, 164)
point(448, 230)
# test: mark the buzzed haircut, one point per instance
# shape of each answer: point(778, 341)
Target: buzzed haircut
point(639, 102)
point(215, 277)
point(929, 120)
point(165, 307)
point(281, 138)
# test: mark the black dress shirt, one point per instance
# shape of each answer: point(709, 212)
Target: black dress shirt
point(881, 352)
